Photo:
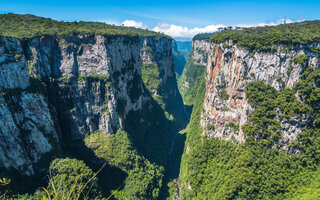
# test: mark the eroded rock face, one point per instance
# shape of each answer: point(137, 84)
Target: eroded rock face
point(13, 66)
point(26, 130)
point(198, 56)
point(200, 50)
point(91, 83)
point(161, 53)
point(230, 69)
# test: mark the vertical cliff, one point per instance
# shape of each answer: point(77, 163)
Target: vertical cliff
point(75, 94)
point(195, 68)
point(254, 128)
point(179, 59)
point(231, 68)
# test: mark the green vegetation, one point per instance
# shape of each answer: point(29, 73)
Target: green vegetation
point(31, 68)
point(29, 26)
point(189, 81)
point(83, 77)
point(221, 87)
point(144, 179)
point(227, 46)
point(210, 127)
point(202, 36)
point(151, 79)
point(151, 76)
point(265, 38)
point(224, 94)
point(310, 191)
point(300, 59)
point(262, 125)
point(178, 58)
point(136, 156)
point(218, 169)
point(3, 190)
point(184, 47)
point(149, 51)
point(71, 179)
point(289, 70)
point(17, 57)
point(234, 126)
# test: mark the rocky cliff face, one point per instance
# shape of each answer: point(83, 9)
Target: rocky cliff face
point(199, 51)
point(179, 59)
point(230, 68)
point(63, 89)
point(194, 69)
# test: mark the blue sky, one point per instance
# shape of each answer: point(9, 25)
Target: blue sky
point(180, 19)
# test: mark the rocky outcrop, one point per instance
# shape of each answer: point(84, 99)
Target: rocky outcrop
point(65, 88)
point(13, 67)
point(230, 68)
point(194, 70)
point(199, 51)
point(27, 131)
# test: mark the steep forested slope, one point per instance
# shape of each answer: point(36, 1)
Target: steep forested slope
point(179, 59)
point(184, 47)
point(195, 68)
point(254, 131)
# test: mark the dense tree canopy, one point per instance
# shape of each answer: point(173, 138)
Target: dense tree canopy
point(202, 36)
point(264, 38)
point(255, 169)
point(29, 26)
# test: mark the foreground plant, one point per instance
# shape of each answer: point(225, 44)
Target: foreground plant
point(4, 182)
point(70, 180)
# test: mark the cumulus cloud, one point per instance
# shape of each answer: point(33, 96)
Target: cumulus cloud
point(180, 31)
point(280, 21)
point(133, 23)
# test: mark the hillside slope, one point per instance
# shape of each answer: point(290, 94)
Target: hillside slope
point(254, 130)
point(195, 68)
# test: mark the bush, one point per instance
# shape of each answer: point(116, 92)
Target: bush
point(300, 59)
point(224, 94)
point(71, 179)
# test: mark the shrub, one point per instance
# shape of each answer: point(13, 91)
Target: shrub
point(300, 59)
point(70, 179)
point(224, 94)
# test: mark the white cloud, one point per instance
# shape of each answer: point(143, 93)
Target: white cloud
point(280, 21)
point(180, 31)
point(133, 23)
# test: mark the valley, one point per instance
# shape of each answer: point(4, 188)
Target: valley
point(96, 111)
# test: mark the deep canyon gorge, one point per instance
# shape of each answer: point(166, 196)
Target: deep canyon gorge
point(124, 114)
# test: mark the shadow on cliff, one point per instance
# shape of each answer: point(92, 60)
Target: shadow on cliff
point(156, 137)
point(110, 177)
point(150, 131)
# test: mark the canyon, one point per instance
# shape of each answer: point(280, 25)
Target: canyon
point(241, 122)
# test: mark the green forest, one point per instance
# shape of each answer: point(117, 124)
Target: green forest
point(218, 169)
point(159, 149)
point(265, 38)
point(29, 26)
